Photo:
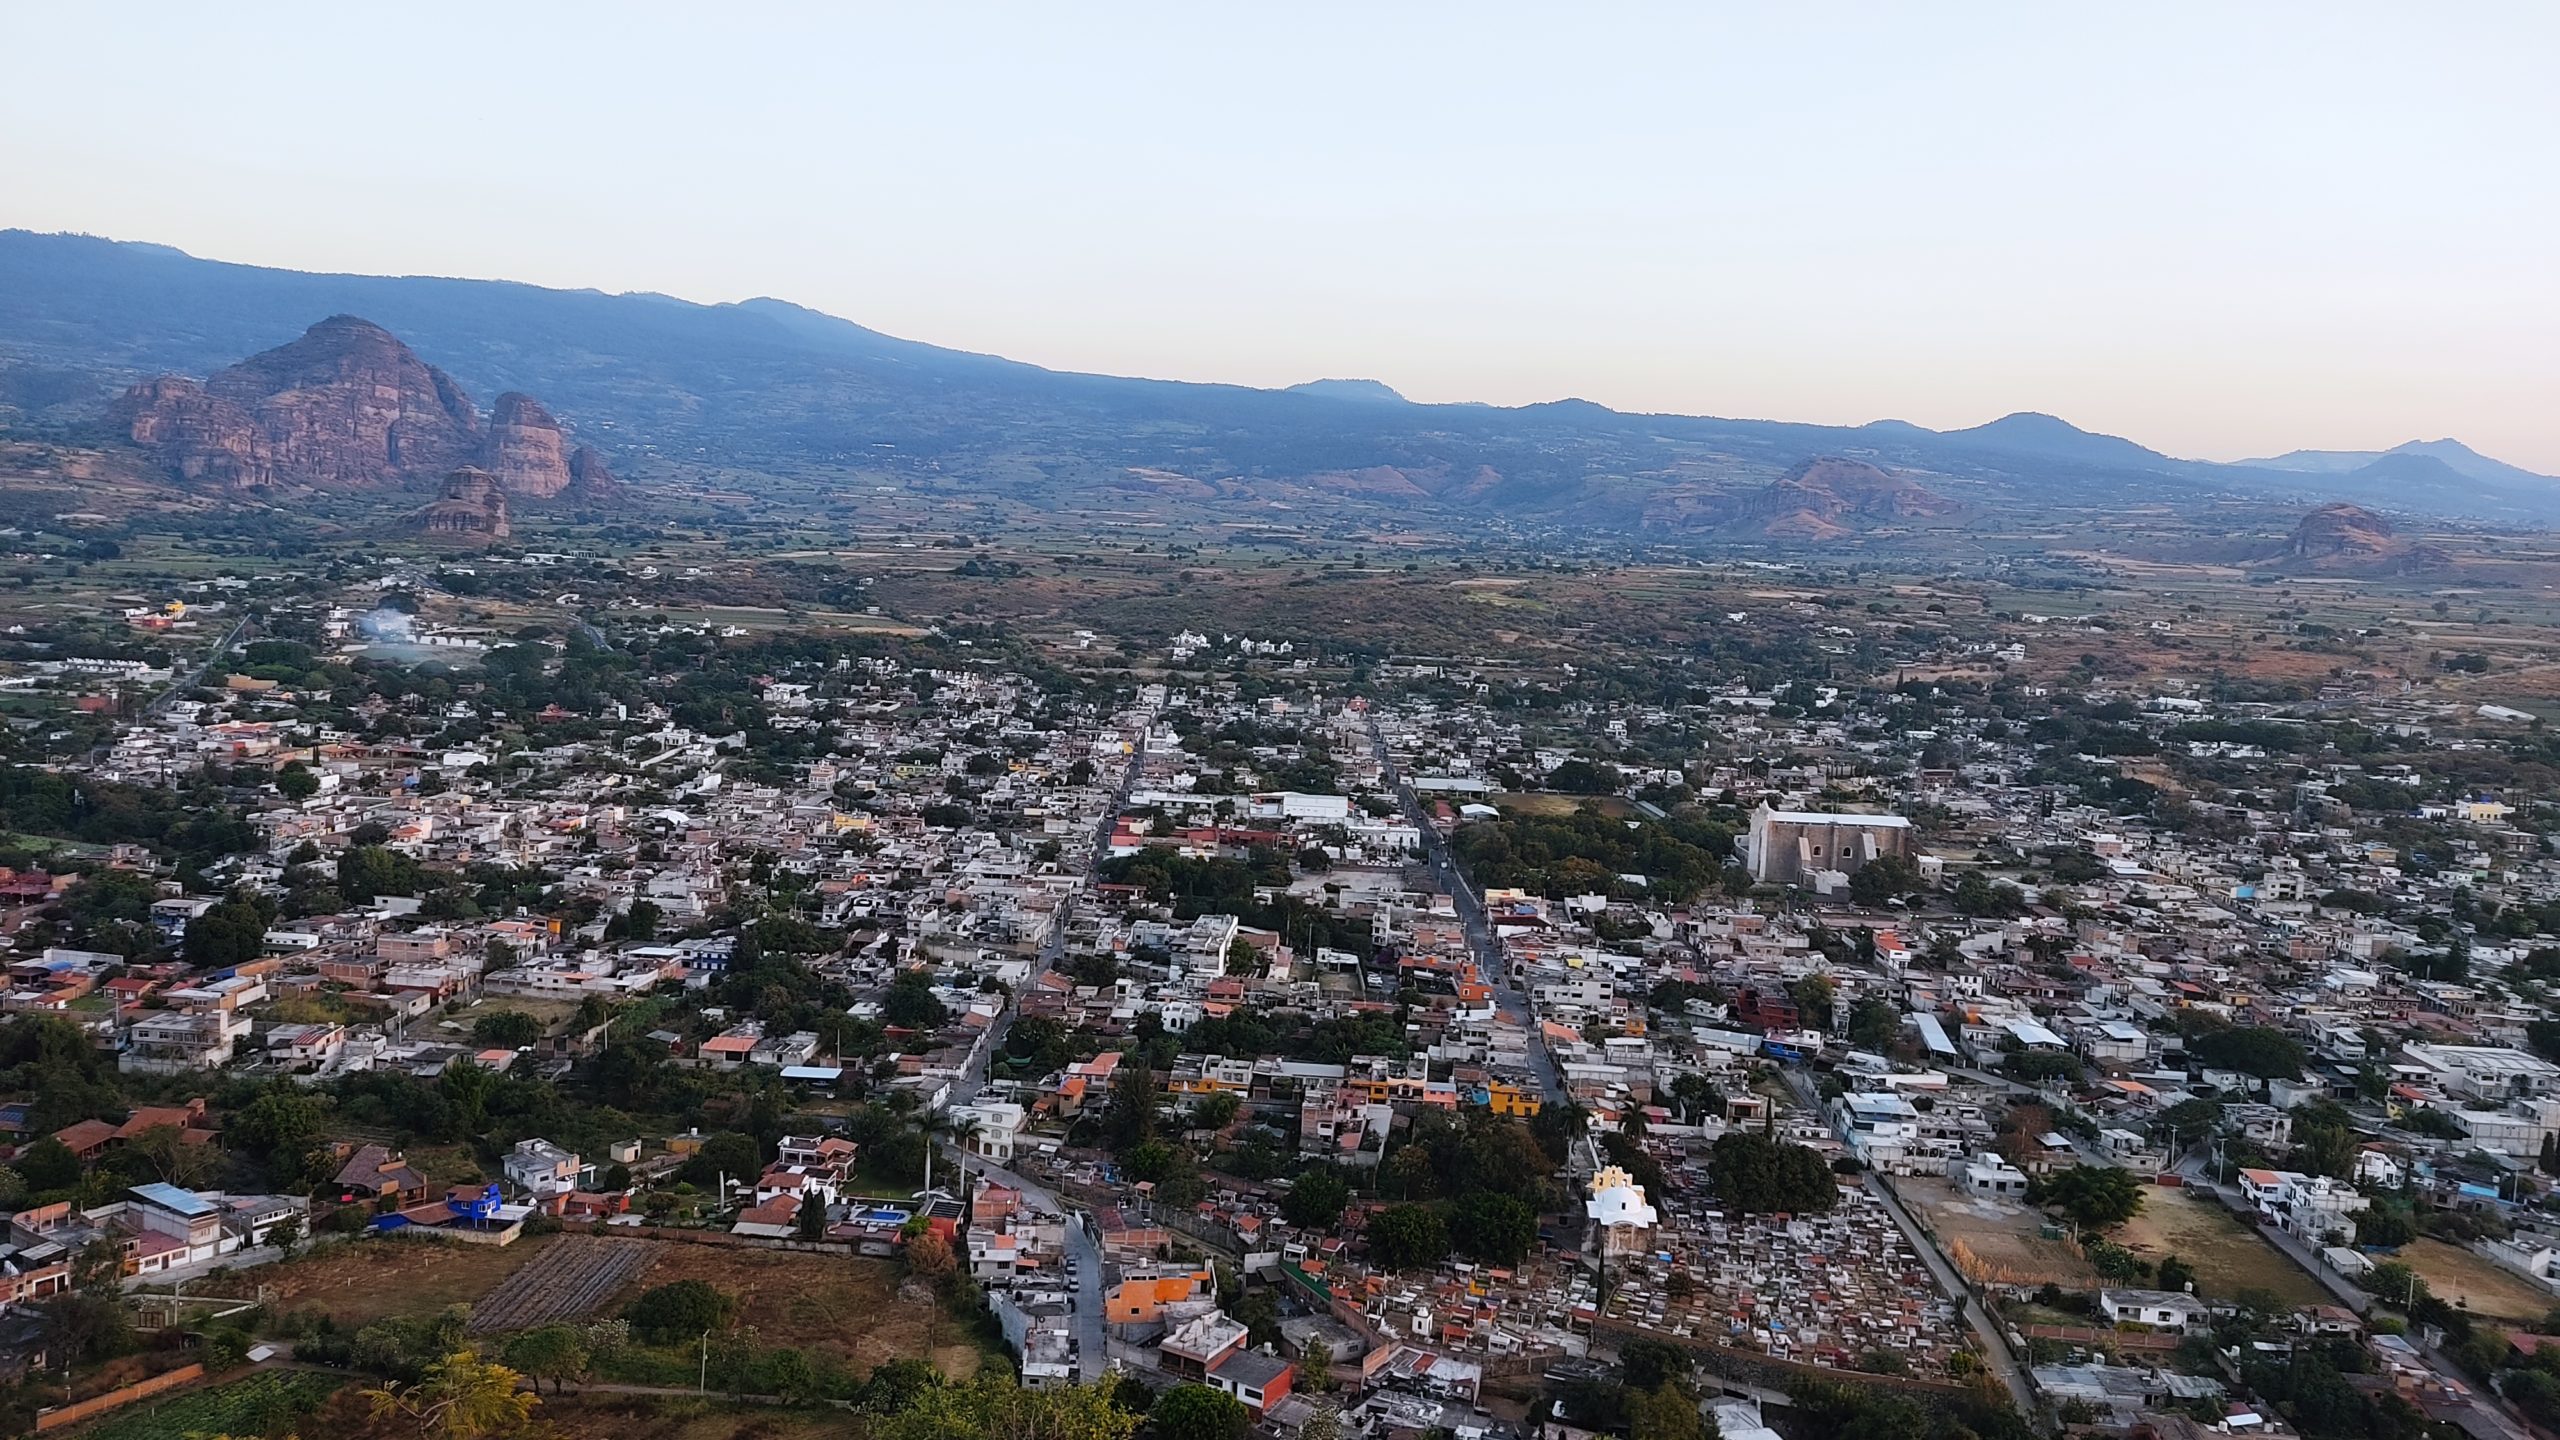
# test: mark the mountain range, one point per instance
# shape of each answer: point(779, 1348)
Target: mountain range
point(764, 385)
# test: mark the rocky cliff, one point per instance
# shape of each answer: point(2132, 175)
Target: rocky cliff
point(1827, 497)
point(473, 507)
point(588, 476)
point(2343, 536)
point(345, 407)
point(526, 451)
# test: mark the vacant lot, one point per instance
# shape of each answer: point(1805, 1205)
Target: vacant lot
point(1552, 805)
point(1996, 1241)
point(2461, 1278)
point(843, 1304)
point(359, 1282)
point(2227, 1255)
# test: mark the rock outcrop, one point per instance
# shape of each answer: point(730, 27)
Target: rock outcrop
point(588, 477)
point(349, 407)
point(2341, 529)
point(526, 451)
point(204, 438)
point(473, 507)
point(2350, 537)
point(1827, 497)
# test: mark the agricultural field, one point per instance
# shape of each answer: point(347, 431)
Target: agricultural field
point(2226, 1254)
point(252, 1405)
point(573, 1278)
point(363, 1281)
point(2481, 1286)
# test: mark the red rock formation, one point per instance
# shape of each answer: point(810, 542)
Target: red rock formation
point(1826, 497)
point(347, 405)
point(473, 506)
point(527, 451)
point(589, 477)
point(204, 438)
point(2340, 536)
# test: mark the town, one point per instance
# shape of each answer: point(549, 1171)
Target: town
point(1463, 1048)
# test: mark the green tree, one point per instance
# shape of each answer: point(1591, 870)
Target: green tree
point(1813, 995)
point(678, 1311)
point(2092, 1197)
point(281, 1130)
point(463, 1397)
point(1494, 1228)
point(1883, 879)
point(1873, 1023)
point(993, 1407)
point(1316, 1198)
point(233, 932)
point(1757, 1175)
point(1198, 1412)
point(1407, 1236)
point(729, 1153)
point(507, 1029)
point(48, 1165)
point(295, 782)
point(557, 1353)
point(466, 1086)
point(2267, 1054)
point(1665, 1412)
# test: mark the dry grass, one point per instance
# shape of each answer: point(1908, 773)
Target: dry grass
point(2481, 1286)
point(2226, 1254)
point(610, 1417)
point(1549, 805)
point(848, 1306)
point(373, 1279)
point(1997, 1240)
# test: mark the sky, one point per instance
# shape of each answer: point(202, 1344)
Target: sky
point(2223, 230)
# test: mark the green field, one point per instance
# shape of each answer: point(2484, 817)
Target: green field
point(248, 1406)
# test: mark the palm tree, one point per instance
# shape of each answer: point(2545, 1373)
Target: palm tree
point(959, 1130)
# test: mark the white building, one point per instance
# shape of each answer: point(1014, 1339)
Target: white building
point(542, 1169)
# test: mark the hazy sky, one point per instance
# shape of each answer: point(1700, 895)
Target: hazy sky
point(2223, 229)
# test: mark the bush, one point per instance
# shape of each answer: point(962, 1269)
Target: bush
point(679, 1311)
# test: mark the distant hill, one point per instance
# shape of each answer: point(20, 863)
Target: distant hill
point(2351, 538)
point(1376, 392)
point(2455, 456)
point(2030, 433)
point(826, 408)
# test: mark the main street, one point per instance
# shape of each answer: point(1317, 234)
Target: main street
point(1481, 941)
point(973, 1079)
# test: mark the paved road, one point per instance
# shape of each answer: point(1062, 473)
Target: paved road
point(1508, 1000)
point(1995, 1346)
point(1092, 1358)
point(974, 1078)
point(177, 686)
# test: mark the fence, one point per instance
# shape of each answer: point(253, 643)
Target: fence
point(2094, 1339)
point(715, 1237)
point(1751, 1367)
point(144, 1389)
